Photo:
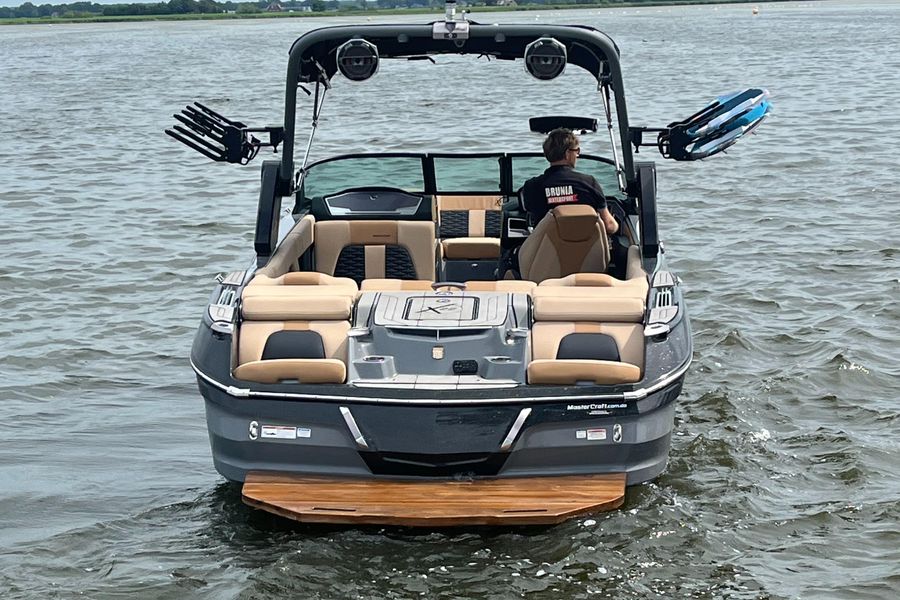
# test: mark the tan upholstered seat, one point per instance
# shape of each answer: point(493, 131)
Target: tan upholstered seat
point(473, 248)
point(395, 285)
point(302, 278)
point(376, 249)
point(286, 257)
point(295, 328)
point(595, 297)
point(512, 286)
point(570, 239)
point(636, 278)
point(298, 296)
point(548, 368)
point(317, 355)
point(469, 226)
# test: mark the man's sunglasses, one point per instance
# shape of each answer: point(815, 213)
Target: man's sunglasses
point(575, 150)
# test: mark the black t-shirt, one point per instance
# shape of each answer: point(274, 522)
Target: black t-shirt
point(558, 185)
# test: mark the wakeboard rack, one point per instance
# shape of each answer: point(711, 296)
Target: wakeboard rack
point(220, 138)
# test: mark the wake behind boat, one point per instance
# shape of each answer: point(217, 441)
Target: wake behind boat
point(376, 364)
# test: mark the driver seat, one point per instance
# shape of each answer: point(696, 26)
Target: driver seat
point(570, 239)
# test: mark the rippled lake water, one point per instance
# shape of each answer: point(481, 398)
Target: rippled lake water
point(784, 478)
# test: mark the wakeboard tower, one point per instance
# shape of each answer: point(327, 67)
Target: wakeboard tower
point(368, 366)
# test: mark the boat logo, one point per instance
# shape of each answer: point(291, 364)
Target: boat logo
point(617, 433)
point(254, 430)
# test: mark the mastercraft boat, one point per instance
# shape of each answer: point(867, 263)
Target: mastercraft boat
point(373, 364)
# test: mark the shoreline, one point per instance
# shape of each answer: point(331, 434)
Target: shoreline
point(351, 13)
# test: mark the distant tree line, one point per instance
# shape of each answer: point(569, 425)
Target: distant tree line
point(176, 7)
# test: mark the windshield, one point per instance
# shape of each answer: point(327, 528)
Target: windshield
point(440, 174)
point(526, 167)
point(341, 174)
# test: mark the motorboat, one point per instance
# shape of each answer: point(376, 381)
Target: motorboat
point(374, 364)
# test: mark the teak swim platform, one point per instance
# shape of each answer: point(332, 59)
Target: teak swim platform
point(520, 501)
point(408, 346)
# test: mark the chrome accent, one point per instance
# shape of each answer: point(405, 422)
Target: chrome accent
point(660, 383)
point(253, 430)
point(222, 327)
point(237, 392)
point(356, 332)
point(222, 317)
point(507, 443)
point(639, 394)
point(516, 333)
point(450, 29)
point(226, 296)
point(219, 278)
point(617, 433)
point(664, 298)
point(354, 428)
point(451, 284)
point(655, 329)
point(620, 171)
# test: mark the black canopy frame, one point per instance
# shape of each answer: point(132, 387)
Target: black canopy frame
point(313, 60)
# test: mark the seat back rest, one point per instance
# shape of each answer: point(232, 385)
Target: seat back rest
point(469, 226)
point(569, 353)
point(306, 351)
point(510, 286)
point(469, 216)
point(547, 338)
point(376, 249)
point(286, 257)
point(570, 239)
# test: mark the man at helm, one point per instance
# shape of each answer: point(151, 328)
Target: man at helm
point(562, 184)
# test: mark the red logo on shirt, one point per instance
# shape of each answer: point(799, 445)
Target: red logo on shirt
point(560, 194)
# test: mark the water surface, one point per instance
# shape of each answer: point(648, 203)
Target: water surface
point(783, 478)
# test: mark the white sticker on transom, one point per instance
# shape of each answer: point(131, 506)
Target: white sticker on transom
point(279, 432)
point(596, 434)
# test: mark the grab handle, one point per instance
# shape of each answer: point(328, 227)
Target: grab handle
point(451, 284)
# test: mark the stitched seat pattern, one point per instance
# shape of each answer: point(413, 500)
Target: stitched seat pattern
point(454, 223)
point(493, 223)
point(352, 263)
point(398, 263)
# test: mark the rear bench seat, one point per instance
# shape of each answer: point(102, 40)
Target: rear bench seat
point(589, 328)
point(295, 328)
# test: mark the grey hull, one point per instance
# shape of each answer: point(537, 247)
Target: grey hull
point(434, 441)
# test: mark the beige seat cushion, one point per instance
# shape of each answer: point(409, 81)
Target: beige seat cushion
point(570, 239)
point(417, 237)
point(298, 295)
point(304, 370)
point(319, 307)
point(286, 257)
point(254, 334)
point(303, 278)
point(472, 248)
point(395, 285)
point(252, 338)
point(512, 286)
point(570, 372)
point(546, 337)
point(615, 304)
